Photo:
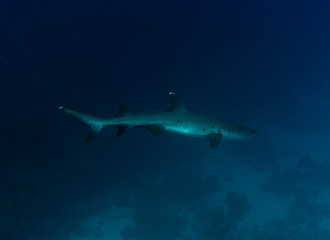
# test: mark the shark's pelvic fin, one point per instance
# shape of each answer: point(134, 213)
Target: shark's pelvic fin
point(155, 129)
point(176, 104)
point(214, 139)
point(123, 111)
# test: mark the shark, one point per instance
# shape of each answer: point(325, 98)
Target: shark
point(176, 118)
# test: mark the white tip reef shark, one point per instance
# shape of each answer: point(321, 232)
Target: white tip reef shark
point(175, 119)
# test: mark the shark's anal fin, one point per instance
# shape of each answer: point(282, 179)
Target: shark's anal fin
point(156, 130)
point(121, 130)
point(214, 139)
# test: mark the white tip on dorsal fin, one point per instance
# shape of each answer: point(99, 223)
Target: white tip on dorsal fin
point(176, 104)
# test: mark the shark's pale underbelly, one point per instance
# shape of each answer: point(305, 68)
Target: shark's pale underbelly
point(185, 130)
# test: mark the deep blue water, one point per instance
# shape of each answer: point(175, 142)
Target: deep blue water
point(264, 64)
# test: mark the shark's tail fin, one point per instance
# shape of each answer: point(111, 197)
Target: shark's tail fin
point(95, 124)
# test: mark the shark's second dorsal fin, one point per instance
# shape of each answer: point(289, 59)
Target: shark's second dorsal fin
point(123, 111)
point(176, 104)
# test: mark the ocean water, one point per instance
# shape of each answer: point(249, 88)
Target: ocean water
point(263, 64)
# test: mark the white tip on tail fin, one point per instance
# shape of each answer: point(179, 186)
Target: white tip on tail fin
point(95, 124)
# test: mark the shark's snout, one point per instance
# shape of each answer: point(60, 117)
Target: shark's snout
point(253, 132)
point(246, 133)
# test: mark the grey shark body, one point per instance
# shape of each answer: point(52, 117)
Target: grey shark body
point(175, 119)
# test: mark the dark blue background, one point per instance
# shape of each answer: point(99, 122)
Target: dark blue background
point(264, 64)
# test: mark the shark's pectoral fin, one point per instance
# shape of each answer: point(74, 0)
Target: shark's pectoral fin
point(156, 130)
point(121, 130)
point(214, 139)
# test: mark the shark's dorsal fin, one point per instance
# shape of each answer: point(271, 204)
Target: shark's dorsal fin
point(176, 104)
point(123, 111)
